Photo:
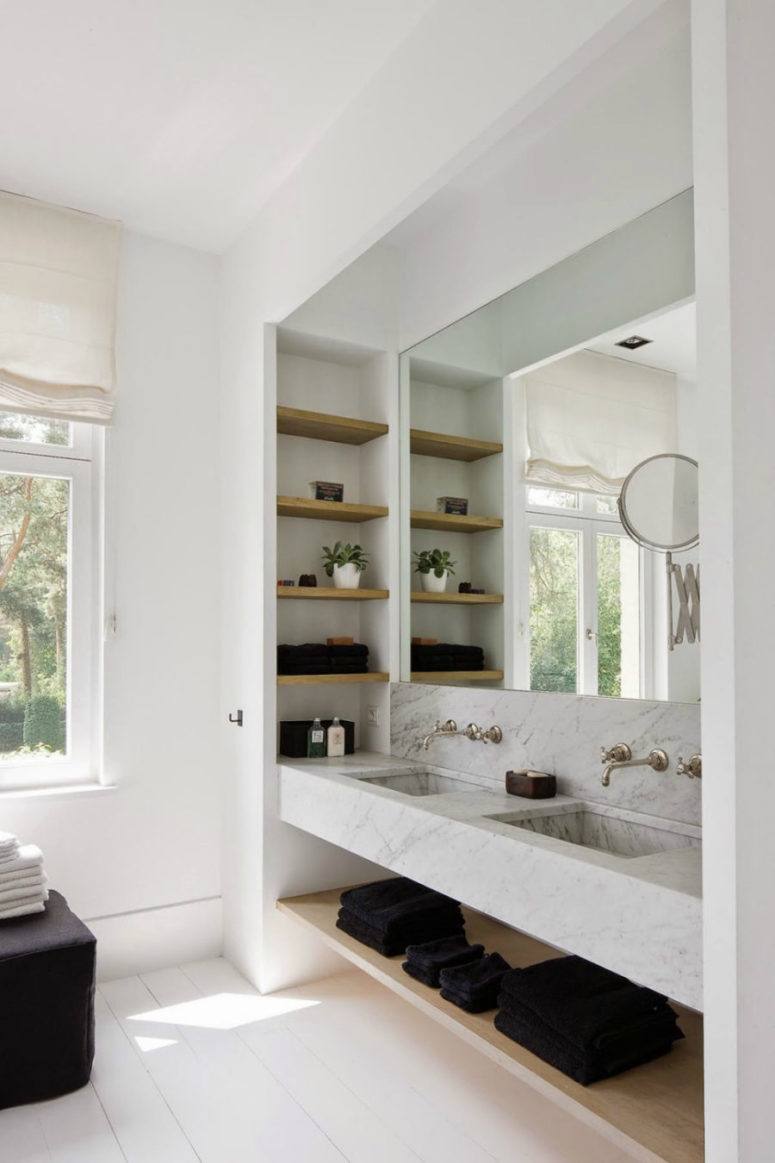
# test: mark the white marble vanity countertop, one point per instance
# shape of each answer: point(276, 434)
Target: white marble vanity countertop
point(640, 916)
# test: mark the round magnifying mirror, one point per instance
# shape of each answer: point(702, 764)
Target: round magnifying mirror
point(658, 503)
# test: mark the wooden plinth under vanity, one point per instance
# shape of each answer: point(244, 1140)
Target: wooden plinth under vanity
point(654, 1111)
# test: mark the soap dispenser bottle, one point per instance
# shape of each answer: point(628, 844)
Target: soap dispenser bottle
point(316, 740)
point(336, 737)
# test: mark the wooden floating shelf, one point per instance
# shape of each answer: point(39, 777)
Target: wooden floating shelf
point(451, 523)
point(654, 1111)
point(331, 679)
point(330, 593)
point(451, 447)
point(328, 510)
point(457, 675)
point(454, 599)
point(320, 426)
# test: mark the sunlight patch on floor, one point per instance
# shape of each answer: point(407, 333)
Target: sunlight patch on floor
point(147, 1044)
point(224, 1011)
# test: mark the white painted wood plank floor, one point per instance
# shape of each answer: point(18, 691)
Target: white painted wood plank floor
point(193, 1064)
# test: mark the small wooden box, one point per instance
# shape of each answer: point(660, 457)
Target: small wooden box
point(533, 785)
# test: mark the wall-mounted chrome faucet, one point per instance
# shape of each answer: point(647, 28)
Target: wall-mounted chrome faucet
point(620, 755)
point(473, 732)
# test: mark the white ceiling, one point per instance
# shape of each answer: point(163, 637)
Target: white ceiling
point(180, 117)
point(673, 347)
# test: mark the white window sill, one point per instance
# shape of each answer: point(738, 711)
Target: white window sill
point(63, 791)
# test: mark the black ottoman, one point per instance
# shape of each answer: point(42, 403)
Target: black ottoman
point(47, 965)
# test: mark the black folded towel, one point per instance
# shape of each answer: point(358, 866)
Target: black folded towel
point(349, 666)
point(474, 987)
point(304, 650)
point(352, 650)
point(581, 1001)
point(460, 649)
point(546, 1044)
point(311, 666)
point(383, 901)
point(430, 925)
point(425, 962)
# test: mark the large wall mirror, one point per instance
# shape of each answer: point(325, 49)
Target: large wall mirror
point(519, 424)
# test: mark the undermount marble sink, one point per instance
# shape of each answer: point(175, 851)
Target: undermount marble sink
point(620, 833)
point(420, 783)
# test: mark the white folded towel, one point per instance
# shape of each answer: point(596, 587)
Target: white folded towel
point(28, 857)
point(22, 910)
point(22, 889)
point(9, 845)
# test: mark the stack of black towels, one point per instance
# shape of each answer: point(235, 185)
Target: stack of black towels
point(584, 1020)
point(317, 658)
point(388, 915)
point(467, 976)
point(447, 656)
point(309, 658)
point(349, 659)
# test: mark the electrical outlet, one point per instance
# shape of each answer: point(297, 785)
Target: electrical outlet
point(373, 716)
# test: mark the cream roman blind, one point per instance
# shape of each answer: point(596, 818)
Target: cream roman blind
point(591, 418)
point(58, 272)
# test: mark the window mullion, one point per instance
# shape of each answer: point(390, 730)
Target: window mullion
point(588, 622)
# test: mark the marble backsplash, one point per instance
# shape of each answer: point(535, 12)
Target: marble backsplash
point(560, 734)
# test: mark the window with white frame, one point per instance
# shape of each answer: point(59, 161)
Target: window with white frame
point(49, 605)
point(587, 598)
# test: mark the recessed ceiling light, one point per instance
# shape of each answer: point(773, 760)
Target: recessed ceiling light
point(632, 342)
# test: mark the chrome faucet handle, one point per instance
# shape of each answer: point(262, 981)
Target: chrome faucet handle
point(478, 735)
point(619, 753)
point(692, 768)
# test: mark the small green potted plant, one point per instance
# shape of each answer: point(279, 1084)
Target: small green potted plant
point(434, 567)
point(345, 564)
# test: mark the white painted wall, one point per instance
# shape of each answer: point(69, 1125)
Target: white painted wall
point(147, 854)
point(733, 96)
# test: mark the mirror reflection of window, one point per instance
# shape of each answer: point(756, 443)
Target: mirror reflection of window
point(588, 619)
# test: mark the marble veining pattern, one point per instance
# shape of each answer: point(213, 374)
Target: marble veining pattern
point(640, 916)
point(559, 734)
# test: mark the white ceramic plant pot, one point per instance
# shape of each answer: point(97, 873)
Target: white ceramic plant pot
point(347, 577)
point(432, 584)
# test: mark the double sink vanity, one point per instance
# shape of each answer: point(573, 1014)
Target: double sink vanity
point(618, 887)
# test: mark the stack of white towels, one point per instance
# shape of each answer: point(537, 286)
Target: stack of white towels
point(22, 879)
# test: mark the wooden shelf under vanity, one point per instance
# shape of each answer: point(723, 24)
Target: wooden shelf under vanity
point(456, 675)
point(451, 447)
point(331, 594)
point(653, 1112)
point(452, 523)
point(331, 679)
point(455, 599)
point(321, 426)
point(328, 510)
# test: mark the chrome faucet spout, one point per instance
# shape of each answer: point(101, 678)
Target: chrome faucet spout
point(473, 732)
point(448, 728)
point(621, 756)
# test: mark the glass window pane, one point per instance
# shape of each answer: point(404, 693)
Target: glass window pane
point(618, 617)
point(606, 505)
point(552, 498)
point(554, 589)
point(34, 429)
point(34, 517)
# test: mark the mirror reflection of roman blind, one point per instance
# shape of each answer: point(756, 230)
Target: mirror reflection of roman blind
point(591, 418)
point(58, 273)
